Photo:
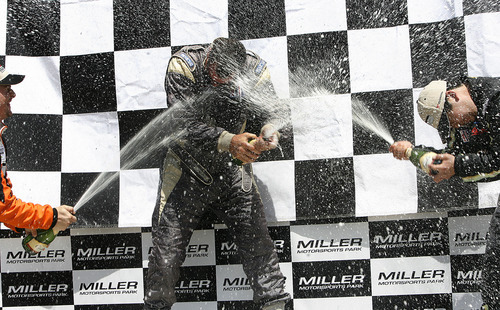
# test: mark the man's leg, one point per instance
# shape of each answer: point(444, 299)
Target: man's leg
point(174, 219)
point(490, 284)
point(245, 218)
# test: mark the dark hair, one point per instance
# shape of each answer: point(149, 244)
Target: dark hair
point(455, 82)
point(229, 54)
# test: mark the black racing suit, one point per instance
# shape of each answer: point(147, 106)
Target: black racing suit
point(199, 174)
point(476, 147)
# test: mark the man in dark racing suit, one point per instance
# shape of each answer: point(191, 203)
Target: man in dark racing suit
point(200, 173)
point(471, 128)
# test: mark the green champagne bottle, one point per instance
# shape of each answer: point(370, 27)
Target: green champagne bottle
point(35, 245)
point(421, 158)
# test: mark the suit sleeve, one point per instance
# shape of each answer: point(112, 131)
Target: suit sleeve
point(15, 213)
point(483, 166)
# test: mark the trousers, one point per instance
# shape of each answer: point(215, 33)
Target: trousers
point(184, 200)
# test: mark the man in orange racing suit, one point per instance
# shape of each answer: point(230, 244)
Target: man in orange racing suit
point(199, 172)
point(15, 213)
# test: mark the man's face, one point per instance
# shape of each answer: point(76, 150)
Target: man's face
point(6, 96)
point(462, 110)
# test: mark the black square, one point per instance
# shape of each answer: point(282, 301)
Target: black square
point(34, 142)
point(88, 83)
point(414, 302)
point(409, 238)
point(141, 136)
point(366, 14)
point(438, 51)
point(256, 19)
point(318, 63)
point(466, 273)
point(393, 109)
point(480, 6)
point(95, 197)
point(324, 188)
point(141, 24)
point(446, 195)
point(33, 27)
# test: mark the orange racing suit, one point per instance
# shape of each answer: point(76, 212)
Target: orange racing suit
point(14, 212)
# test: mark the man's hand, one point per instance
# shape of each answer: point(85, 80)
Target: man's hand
point(65, 217)
point(268, 138)
point(242, 150)
point(398, 149)
point(445, 170)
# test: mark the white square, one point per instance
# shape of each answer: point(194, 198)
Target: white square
point(411, 276)
point(138, 188)
point(26, 186)
point(232, 283)
point(140, 84)
point(488, 194)
point(330, 242)
point(357, 302)
point(3, 36)
point(276, 181)
point(197, 21)
point(90, 286)
point(274, 52)
point(468, 234)
point(86, 27)
point(322, 127)
point(429, 11)
point(384, 185)
point(483, 44)
point(40, 92)
point(303, 16)
point(192, 305)
point(90, 143)
point(380, 59)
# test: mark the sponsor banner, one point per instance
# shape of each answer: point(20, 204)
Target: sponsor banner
point(196, 283)
point(56, 257)
point(468, 234)
point(467, 301)
point(1, 290)
point(102, 287)
point(207, 305)
point(232, 284)
point(107, 251)
point(239, 305)
point(407, 238)
point(331, 279)
point(414, 302)
point(341, 241)
point(466, 273)
point(363, 303)
point(227, 250)
point(37, 288)
point(281, 238)
point(110, 307)
point(411, 275)
point(199, 252)
point(46, 308)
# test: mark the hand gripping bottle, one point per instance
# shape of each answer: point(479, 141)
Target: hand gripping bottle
point(421, 158)
point(34, 245)
point(239, 162)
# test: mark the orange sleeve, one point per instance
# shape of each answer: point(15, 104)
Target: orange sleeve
point(15, 213)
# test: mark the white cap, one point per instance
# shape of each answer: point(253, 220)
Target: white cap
point(431, 101)
point(9, 79)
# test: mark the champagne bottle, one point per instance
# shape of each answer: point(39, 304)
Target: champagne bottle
point(34, 245)
point(421, 158)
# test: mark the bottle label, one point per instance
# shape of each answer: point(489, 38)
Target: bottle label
point(36, 246)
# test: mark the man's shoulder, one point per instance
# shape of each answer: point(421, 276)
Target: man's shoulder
point(255, 64)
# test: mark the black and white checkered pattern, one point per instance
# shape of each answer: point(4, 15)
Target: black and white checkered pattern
point(94, 77)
